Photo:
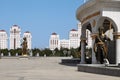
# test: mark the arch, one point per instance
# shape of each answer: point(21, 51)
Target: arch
point(86, 41)
point(102, 19)
point(86, 31)
point(109, 24)
point(87, 26)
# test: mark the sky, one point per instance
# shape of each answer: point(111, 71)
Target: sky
point(40, 17)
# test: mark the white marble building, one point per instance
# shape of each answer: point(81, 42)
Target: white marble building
point(3, 39)
point(15, 38)
point(65, 43)
point(72, 42)
point(74, 39)
point(28, 36)
point(54, 41)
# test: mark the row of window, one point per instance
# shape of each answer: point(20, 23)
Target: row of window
point(3, 35)
point(74, 35)
point(54, 42)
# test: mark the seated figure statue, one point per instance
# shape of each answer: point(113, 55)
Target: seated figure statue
point(100, 47)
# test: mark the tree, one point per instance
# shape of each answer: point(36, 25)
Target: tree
point(75, 52)
point(4, 51)
point(47, 52)
point(19, 51)
point(35, 51)
point(13, 52)
point(57, 52)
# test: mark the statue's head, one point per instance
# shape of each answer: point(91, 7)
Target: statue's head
point(101, 29)
point(24, 38)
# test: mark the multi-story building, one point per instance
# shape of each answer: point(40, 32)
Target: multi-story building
point(73, 41)
point(15, 38)
point(54, 41)
point(65, 43)
point(28, 36)
point(3, 39)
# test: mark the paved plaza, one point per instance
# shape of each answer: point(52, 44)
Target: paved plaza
point(44, 68)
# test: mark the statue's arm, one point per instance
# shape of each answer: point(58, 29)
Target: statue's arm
point(107, 38)
point(95, 46)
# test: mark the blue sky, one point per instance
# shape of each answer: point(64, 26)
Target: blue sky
point(40, 17)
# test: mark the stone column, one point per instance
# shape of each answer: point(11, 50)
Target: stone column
point(83, 51)
point(94, 61)
point(117, 37)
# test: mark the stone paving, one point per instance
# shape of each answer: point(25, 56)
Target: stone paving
point(44, 68)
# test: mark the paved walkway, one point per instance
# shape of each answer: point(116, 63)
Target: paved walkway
point(44, 69)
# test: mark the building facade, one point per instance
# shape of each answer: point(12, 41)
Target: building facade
point(65, 43)
point(15, 38)
point(3, 39)
point(73, 41)
point(54, 41)
point(28, 36)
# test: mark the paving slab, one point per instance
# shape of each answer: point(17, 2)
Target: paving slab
point(44, 68)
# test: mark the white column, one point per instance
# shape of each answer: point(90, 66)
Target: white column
point(117, 51)
point(94, 61)
point(117, 37)
point(82, 51)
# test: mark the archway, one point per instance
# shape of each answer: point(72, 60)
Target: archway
point(109, 28)
point(85, 41)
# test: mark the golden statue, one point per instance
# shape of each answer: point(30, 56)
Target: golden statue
point(24, 47)
point(100, 46)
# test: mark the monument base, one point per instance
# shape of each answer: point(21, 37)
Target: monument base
point(112, 70)
point(24, 57)
point(71, 62)
point(119, 64)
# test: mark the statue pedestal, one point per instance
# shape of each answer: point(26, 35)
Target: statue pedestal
point(119, 65)
point(111, 69)
point(24, 57)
